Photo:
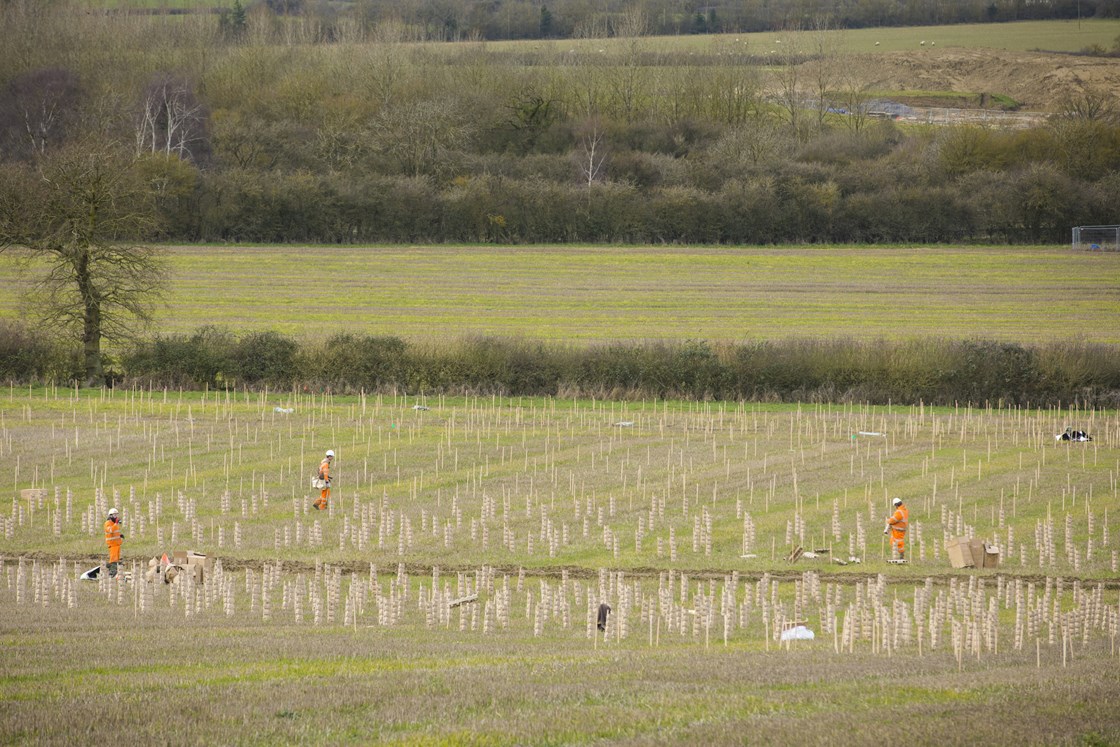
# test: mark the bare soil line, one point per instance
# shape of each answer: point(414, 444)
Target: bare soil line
point(787, 573)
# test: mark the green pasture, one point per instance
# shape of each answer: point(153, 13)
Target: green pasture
point(584, 295)
point(1021, 36)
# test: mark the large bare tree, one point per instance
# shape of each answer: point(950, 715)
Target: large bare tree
point(82, 209)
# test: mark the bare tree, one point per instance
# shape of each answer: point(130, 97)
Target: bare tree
point(171, 119)
point(730, 88)
point(383, 65)
point(79, 209)
point(1089, 105)
point(824, 70)
point(626, 78)
point(592, 155)
point(854, 95)
point(789, 79)
point(756, 147)
point(592, 26)
point(420, 136)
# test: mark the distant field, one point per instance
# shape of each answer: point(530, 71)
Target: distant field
point(1018, 36)
point(582, 294)
point(1056, 36)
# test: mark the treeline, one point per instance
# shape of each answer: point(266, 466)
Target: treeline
point(250, 139)
point(931, 371)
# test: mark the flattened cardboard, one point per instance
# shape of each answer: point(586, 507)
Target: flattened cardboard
point(960, 555)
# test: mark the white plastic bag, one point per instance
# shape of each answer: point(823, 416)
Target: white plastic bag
point(799, 633)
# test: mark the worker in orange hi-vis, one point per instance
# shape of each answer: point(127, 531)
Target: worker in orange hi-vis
point(897, 525)
point(113, 539)
point(325, 481)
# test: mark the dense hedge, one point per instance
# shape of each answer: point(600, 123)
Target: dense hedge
point(1038, 206)
point(834, 370)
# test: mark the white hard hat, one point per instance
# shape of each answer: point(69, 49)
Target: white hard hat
point(896, 502)
point(112, 512)
point(330, 452)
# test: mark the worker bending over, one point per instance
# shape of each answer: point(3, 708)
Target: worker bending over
point(113, 539)
point(325, 476)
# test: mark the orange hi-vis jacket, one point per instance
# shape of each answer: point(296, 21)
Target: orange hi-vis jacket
point(899, 522)
point(113, 539)
point(112, 533)
point(325, 469)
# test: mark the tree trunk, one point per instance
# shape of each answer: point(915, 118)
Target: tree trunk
point(91, 322)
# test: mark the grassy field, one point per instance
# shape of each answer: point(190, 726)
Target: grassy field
point(1055, 36)
point(583, 295)
point(336, 627)
point(1022, 36)
point(218, 681)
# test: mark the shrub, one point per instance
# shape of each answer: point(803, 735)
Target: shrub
point(983, 370)
point(27, 356)
point(352, 362)
point(265, 358)
point(202, 359)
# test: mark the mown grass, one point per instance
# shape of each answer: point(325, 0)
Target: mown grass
point(251, 684)
point(581, 295)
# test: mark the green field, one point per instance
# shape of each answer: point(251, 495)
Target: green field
point(1022, 36)
point(335, 627)
point(584, 294)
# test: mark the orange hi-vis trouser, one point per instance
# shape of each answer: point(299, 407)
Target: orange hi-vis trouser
point(898, 541)
point(325, 493)
point(899, 523)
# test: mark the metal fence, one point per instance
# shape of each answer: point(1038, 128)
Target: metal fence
point(1097, 238)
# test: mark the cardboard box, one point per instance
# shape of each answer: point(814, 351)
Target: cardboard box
point(960, 555)
point(976, 548)
point(971, 553)
point(198, 565)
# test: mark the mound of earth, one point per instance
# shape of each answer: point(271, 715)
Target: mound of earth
point(1038, 81)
